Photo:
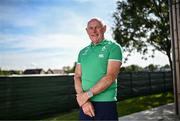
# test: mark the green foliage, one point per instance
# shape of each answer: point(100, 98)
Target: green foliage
point(69, 69)
point(3, 72)
point(165, 67)
point(140, 23)
point(131, 68)
point(151, 67)
point(9, 72)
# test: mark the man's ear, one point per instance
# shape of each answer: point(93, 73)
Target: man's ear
point(86, 30)
point(104, 28)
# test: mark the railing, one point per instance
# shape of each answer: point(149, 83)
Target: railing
point(30, 97)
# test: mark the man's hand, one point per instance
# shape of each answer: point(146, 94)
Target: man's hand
point(82, 98)
point(88, 109)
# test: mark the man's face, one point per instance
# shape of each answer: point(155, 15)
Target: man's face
point(95, 30)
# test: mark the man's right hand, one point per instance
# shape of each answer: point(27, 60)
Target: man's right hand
point(88, 109)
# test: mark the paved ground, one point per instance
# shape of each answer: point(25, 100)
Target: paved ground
point(162, 113)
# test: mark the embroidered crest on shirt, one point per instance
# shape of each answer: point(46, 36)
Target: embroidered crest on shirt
point(103, 48)
point(101, 56)
point(85, 52)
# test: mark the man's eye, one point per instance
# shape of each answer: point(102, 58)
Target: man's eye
point(90, 28)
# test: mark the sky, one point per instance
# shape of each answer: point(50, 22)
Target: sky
point(50, 33)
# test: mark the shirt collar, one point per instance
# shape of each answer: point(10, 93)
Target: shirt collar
point(100, 43)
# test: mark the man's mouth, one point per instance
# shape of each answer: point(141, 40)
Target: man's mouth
point(94, 35)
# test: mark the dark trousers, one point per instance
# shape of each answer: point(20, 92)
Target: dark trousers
point(103, 111)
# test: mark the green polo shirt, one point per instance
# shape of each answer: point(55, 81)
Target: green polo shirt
point(94, 61)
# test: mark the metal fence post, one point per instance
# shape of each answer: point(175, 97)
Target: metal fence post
point(164, 81)
point(131, 85)
point(150, 84)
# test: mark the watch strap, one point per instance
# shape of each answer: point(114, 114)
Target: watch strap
point(90, 94)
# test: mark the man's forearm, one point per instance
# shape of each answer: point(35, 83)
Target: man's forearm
point(78, 84)
point(103, 84)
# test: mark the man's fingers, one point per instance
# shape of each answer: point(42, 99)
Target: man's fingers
point(92, 112)
point(87, 112)
point(91, 109)
point(88, 109)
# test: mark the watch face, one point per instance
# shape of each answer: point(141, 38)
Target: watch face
point(90, 94)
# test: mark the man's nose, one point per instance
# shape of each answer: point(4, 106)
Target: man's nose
point(94, 30)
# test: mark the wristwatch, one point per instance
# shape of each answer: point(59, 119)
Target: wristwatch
point(90, 94)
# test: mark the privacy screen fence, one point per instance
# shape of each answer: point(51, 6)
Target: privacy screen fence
point(32, 97)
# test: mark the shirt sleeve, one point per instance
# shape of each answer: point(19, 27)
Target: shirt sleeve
point(79, 58)
point(116, 53)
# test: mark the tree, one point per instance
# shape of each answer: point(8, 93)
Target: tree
point(165, 68)
point(131, 68)
point(141, 23)
point(151, 68)
point(4, 72)
point(69, 69)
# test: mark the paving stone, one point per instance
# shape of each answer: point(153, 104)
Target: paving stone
point(162, 113)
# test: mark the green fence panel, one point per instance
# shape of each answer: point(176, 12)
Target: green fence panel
point(32, 97)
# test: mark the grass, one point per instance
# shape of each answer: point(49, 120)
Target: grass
point(143, 103)
point(125, 107)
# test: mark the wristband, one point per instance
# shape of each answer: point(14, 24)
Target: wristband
point(90, 94)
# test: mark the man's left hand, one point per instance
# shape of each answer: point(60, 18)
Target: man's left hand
point(82, 98)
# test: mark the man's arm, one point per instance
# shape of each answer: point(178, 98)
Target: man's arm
point(112, 72)
point(88, 108)
point(108, 79)
point(77, 79)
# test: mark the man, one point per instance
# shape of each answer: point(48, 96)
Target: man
point(95, 75)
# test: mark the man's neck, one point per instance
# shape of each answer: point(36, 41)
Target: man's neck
point(95, 43)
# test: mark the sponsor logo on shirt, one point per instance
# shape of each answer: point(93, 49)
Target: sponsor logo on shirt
point(103, 48)
point(101, 56)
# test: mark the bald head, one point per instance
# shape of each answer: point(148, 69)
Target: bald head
point(95, 19)
point(95, 30)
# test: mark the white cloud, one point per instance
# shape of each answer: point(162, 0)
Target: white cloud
point(45, 41)
point(58, 33)
point(59, 50)
point(83, 1)
point(36, 60)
